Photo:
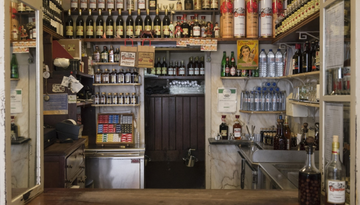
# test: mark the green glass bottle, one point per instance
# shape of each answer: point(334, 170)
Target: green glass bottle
point(14, 67)
point(223, 64)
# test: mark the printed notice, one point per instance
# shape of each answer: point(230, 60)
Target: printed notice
point(227, 99)
point(16, 101)
point(127, 59)
point(57, 104)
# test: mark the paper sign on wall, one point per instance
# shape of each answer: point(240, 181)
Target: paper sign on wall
point(227, 99)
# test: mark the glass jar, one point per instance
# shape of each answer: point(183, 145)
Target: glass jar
point(127, 98)
point(121, 98)
point(133, 99)
point(105, 76)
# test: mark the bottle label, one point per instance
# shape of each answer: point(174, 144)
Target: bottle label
point(111, 59)
point(148, 28)
point(214, 4)
point(74, 3)
point(99, 30)
point(197, 71)
point(130, 4)
point(206, 4)
point(109, 30)
point(79, 30)
point(104, 56)
point(157, 30)
point(83, 4)
point(133, 100)
point(119, 4)
point(203, 34)
point(129, 30)
point(202, 71)
point(110, 4)
point(152, 4)
point(227, 69)
point(237, 132)
point(182, 71)
point(179, 6)
point(164, 71)
point(101, 4)
point(232, 71)
point(92, 4)
point(115, 101)
point(197, 5)
point(196, 31)
point(121, 100)
point(153, 71)
point(138, 30)
point(224, 133)
point(158, 70)
point(120, 30)
point(90, 30)
point(188, 6)
point(171, 71)
point(141, 4)
point(97, 100)
point(239, 18)
point(128, 78)
point(185, 31)
point(166, 30)
point(98, 78)
point(69, 31)
point(191, 71)
point(336, 191)
point(21, 7)
point(96, 57)
point(266, 19)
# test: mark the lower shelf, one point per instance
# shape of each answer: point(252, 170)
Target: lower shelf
point(115, 105)
point(263, 112)
point(307, 104)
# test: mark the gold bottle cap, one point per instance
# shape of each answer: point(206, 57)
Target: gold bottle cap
point(114, 69)
point(133, 93)
point(106, 70)
point(109, 93)
point(127, 94)
point(335, 144)
point(120, 93)
point(103, 93)
point(115, 94)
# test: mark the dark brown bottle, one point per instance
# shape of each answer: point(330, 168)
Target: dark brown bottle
point(190, 67)
point(305, 58)
point(297, 60)
point(280, 140)
point(224, 128)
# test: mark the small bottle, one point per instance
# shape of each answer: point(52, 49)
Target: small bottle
point(127, 98)
point(109, 98)
point(97, 98)
point(98, 74)
point(121, 76)
point(196, 66)
point(111, 55)
point(103, 98)
point(224, 128)
point(202, 66)
point(105, 76)
point(190, 67)
point(178, 5)
point(133, 99)
point(105, 55)
point(121, 98)
point(237, 128)
point(114, 98)
point(113, 76)
point(134, 76)
point(127, 76)
point(182, 69)
point(96, 54)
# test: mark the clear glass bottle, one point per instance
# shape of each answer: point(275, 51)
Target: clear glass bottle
point(105, 55)
point(133, 98)
point(98, 74)
point(113, 76)
point(127, 76)
point(96, 54)
point(237, 128)
point(121, 76)
point(105, 76)
point(127, 98)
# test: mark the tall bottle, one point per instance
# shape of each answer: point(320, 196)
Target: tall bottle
point(14, 67)
point(190, 67)
point(335, 177)
point(158, 67)
point(181, 70)
point(138, 25)
point(223, 64)
point(101, 5)
point(305, 58)
point(262, 64)
point(279, 64)
point(233, 65)
point(214, 4)
point(152, 4)
point(99, 25)
point(196, 28)
point(271, 63)
point(111, 55)
point(237, 128)
point(69, 26)
point(296, 60)
point(287, 133)
point(224, 128)
point(252, 21)
point(109, 26)
point(227, 67)
point(196, 66)
point(148, 23)
point(266, 18)
point(202, 66)
point(129, 25)
point(239, 18)
point(79, 26)
point(185, 27)
point(166, 25)
point(89, 26)
point(105, 55)
point(120, 25)
point(110, 4)
point(280, 140)
point(157, 25)
point(164, 67)
point(92, 5)
point(317, 55)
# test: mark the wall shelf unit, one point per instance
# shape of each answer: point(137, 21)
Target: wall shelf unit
point(307, 104)
point(263, 112)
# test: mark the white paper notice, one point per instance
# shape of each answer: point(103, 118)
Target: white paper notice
point(334, 43)
point(334, 117)
point(227, 99)
point(16, 101)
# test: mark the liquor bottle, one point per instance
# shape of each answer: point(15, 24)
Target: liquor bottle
point(158, 67)
point(309, 191)
point(164, 67)
point(97, 98)
point(105, 76)
point(214, 4)
point(252, 19)
point(233, 65)
point(239, 18)
point(266, 18)
point(196, 66)
point(317, 55)
point(185, 27)
point(99, 26)
point(287, 133)
point(280, 140)
point(110, 5)
point(170, 70)
point(182, 69)
point(117, 55)
point(92, 5)
point(227, 67)
point(223, 64)
point(79, 26)
point(157, 25)
point(296, 60)
point(166, 25)
point(127, 76)
point(113, 74)
point(111, 54)
point(120, 25)
point(205, 5)
point(138, 25)
point(237, 128)
point(188, 4)
point(191, 24)
point(130, 4)
point(74, 5)
point(141, 4)
point(121, 76)
point(129, 25)
point(83, 5)
point(190, 67)
point(202, 66)
point(101, 5)
point(313, 56)
point(14, 67)
point(109, 26)
point(89, 26)
point(178, 5)
point(105, 55)
point(176, 69)
point(335, 176)
point(135, 77)
point(14, 129)
point(148, 23)
point(197, 4)
point(152, 4)
point(224, 128)
point(203, 27)
point(69, 26)
point(96, 55)
point(305, 58)
point(196, 28)
point(119, 5)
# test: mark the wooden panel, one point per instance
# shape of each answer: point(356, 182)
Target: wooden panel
point(186, 125)
point(150, 131)
point(179, 122)
point(158, 123)
point(201, 123)
point(165, 123)
point(193, 123)
point(172, 124)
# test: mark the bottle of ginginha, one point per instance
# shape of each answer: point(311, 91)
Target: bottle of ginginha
point(335, 176)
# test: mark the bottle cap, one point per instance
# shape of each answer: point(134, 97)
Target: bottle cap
point(270, 49)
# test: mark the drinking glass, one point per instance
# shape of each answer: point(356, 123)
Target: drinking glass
point(165, 7)
point(171, 6)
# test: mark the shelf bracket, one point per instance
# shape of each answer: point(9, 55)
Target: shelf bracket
point(292, 85)
point(208, 56)
point(285, 45)
point(300, 80)
point(304, 34)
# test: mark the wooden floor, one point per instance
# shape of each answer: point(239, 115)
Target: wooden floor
point(164, 197)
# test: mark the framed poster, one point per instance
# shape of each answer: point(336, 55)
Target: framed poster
point(248, 54)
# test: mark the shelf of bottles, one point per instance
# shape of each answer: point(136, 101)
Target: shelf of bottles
point(115, 105)
point(104, 64)
point(116, 84)
point(52, 18)
point(300, 75)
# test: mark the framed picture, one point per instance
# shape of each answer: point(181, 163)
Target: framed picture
point(248, 54)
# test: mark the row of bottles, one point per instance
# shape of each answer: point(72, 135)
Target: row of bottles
point(308, 59)
point(106, 56)
point(120, 76)
point(229, 68)
point(224, 129)
point(270, 64)
point(26, 30)
point(195, 67)
point(52, 16)
point(116, 98)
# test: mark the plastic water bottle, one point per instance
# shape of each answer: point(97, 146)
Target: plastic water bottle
point(268, 103)
point(262, 64)
point(263, 101)
point(279, 64)
point(275, 105)
point(251, 103)
point(257, 96)
point(243, 100)
point(271, 64)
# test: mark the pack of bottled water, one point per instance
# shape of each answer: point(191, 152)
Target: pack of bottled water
point(270, 64)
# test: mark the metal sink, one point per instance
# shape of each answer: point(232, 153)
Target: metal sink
point(290, 170)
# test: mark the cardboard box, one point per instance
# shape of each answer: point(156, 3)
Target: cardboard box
point(72, 46)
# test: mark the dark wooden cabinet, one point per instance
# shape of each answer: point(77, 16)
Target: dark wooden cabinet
point(64, 165)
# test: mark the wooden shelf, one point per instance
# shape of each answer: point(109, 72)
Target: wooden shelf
point(109, 64)
point(84, 75)
point(178, 49)
point(177, 77)
point(115, 105)
point(14, 79)
point(27, 13)
point(53, 33)
point(307, 104)
point(311, 23)
point(116, 84)
point(263, 112)
point(79, 104)
point(143, 12)
point(301, 75)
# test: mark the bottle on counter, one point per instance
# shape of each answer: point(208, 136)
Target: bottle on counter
point(224, 128)
point(280, 140)
point(309, 178)
point(237, 128)
point(287, 133)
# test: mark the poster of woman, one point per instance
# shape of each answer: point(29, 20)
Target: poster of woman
point(248, 54)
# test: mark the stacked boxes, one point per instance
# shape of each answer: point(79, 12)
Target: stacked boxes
point(115, 128)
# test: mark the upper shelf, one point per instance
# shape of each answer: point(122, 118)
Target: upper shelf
point(312, 23)
point(55, 35)
point(301, 75)
point(152, 12)
point(200, 77)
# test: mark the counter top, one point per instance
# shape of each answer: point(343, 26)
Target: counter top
point(115, 148)
point(165, 196)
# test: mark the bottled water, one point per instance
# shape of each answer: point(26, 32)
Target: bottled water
point(262, 64)
point(263, 100)
point(271, 64)
point(275, 103)
point(243, 100)
point(251, 103)
point(268, 103)
point(257, 96)
point(279, 64)
point(273, 84)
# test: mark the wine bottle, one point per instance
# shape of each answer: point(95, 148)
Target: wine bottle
point(196, 28)
point(89, 26)
point(141, 4)
point(166, 25)
point(305, 58)
point(14, 67)
point(158, 67)
point(120, 25)
point(101, 5)
point(119, 4)
point(148, 23)
point(109, 26)
point(157, 25)
point(69, 26)
point(296, 60)
point(92, 5)
point(164, 67)
point(129, 25)
point(185, 27)
point(110, 5)
point(99, 26)
point(74, 4)
point(152, 4)
point(79, 26)
point(224, 128)
point(138, 25)
point(223, 65)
